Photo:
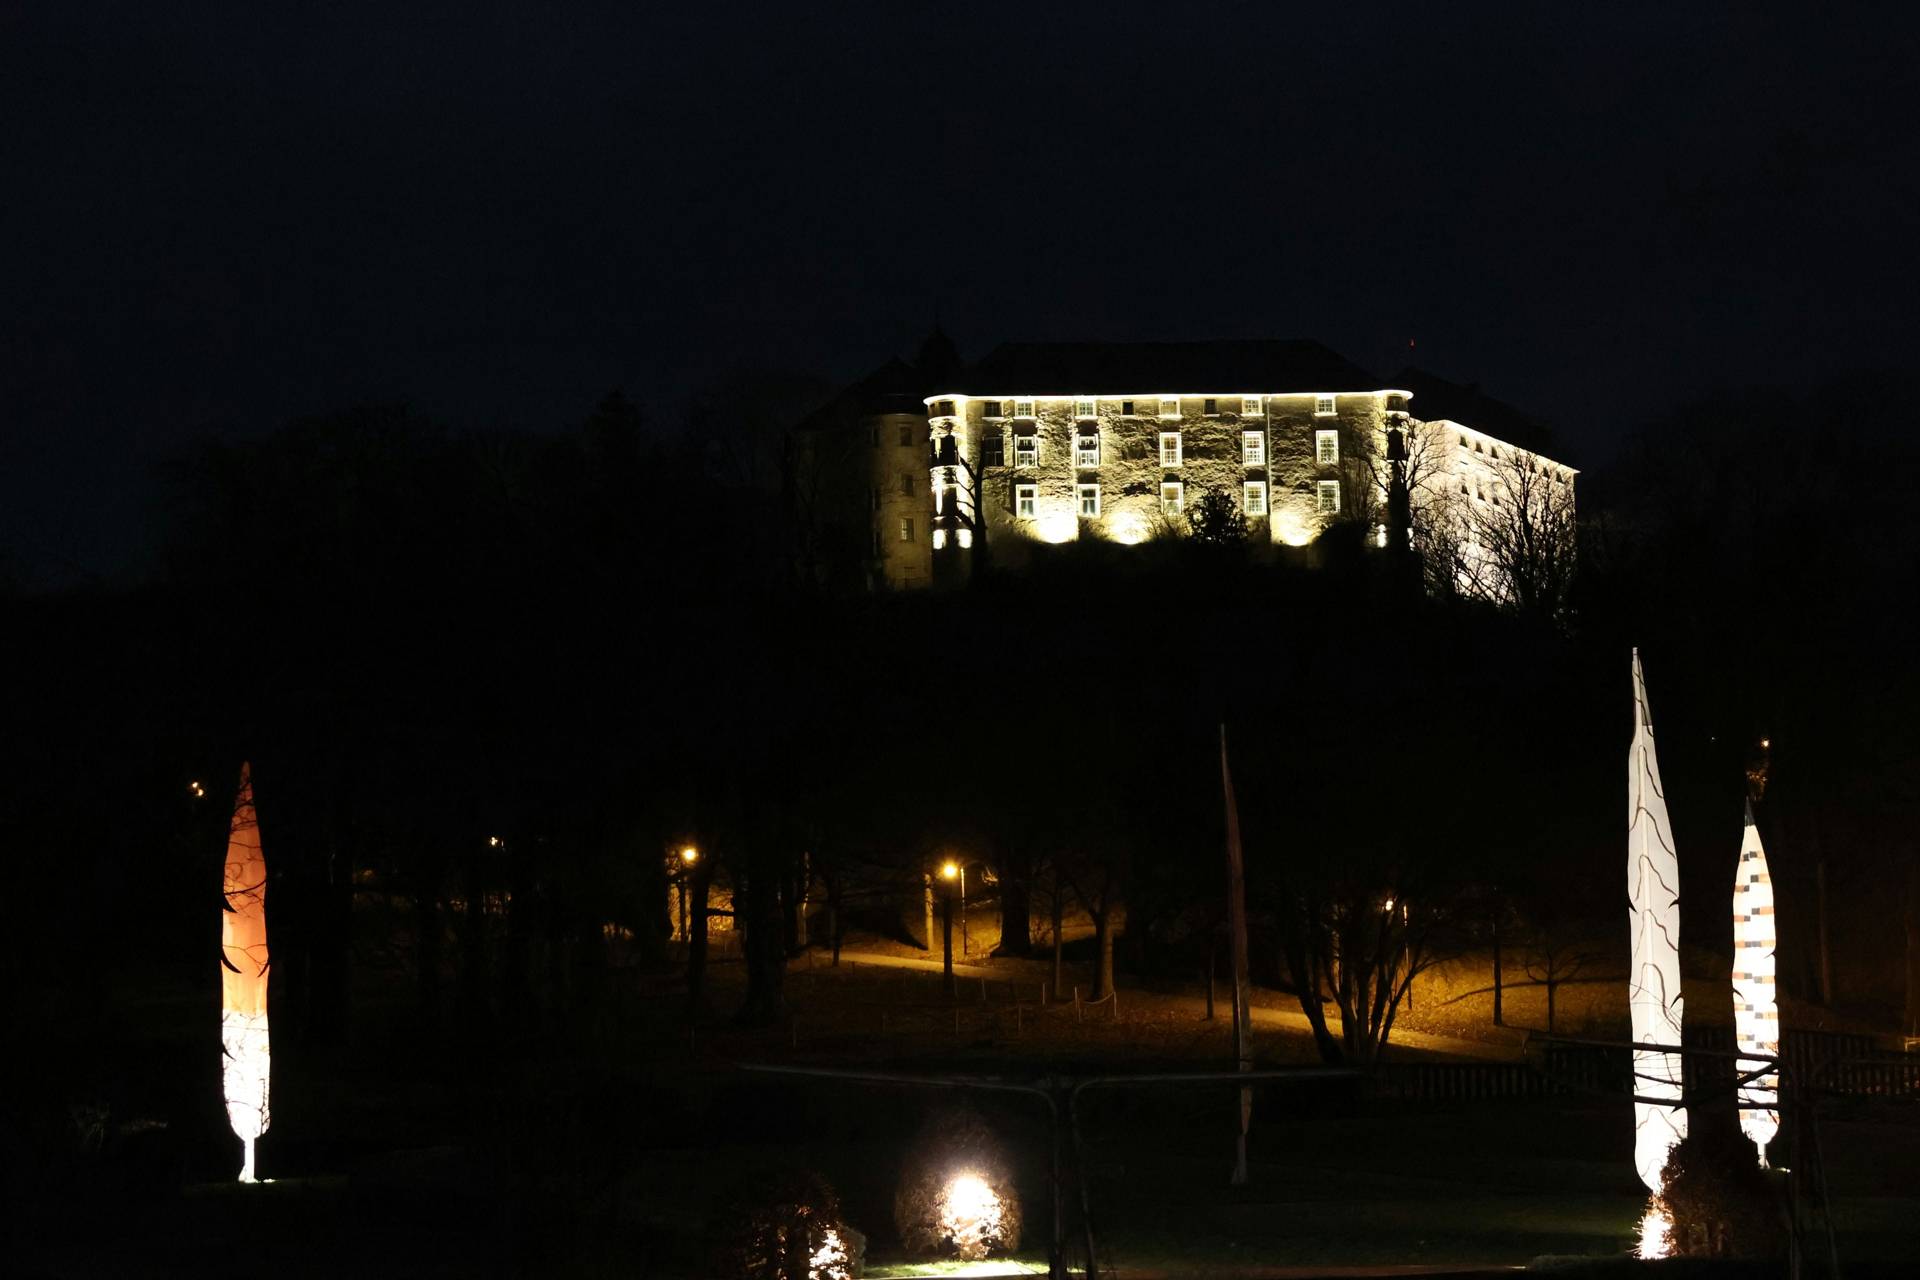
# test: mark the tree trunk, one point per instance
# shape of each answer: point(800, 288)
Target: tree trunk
point(1059, 911)
point(1016, 908)
point(1499, 1013)
point(763, 939)
point(696, 924)
point(1102, 952)
point(1553, 986)
point(946, 945)
point(1913, 951)
point(833, 916)
point(1213, 953)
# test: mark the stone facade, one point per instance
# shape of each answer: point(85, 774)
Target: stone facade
point(1052, 443)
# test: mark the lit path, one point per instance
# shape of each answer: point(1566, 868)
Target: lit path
point(1030, 973)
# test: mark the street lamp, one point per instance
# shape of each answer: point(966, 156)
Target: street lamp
point(951, 870)
point(689, 855)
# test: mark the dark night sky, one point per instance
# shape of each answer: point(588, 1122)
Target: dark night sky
point(214, 216)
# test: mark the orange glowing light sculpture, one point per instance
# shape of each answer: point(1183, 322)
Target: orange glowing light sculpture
point(1756, 1011)
point(247, 1071)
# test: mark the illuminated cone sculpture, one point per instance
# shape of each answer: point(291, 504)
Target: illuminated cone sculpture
point(1653, 980)
point(1756, 1012)
point(247, 1070)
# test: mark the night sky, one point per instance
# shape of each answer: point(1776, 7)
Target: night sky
point(217, 216)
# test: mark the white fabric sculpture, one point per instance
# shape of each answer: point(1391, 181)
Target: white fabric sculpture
point(1756, 1011)
point(247, 1070)
point(1653, 981)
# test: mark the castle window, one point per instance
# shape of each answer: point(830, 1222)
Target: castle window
point(1211, 408)
point(906, 483)
point(1328, 492)
point(1172, 494)
point(1323, 405)
point(1083, 409)
point(1254, 497)
point(1250, 406)
point(1024, 498)
point(1026, 450)
point(939, 539)
point(876, 544)
point(1169, 448)
point(873, 498)
point(1023, 408)
point(1253, 449)
point(1463, 442)
point(991, 409)
point(1126, 408)
point(1326, 447)
point(944, 409)
point(906, 434)
point(1170, 408)
point(993, 451)
point(1086, 450)
point(906, 528)
point(1089, 499)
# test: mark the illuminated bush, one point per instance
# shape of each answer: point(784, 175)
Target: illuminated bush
point(784, 1226)
point(1719, 1203)
point(957, 1196)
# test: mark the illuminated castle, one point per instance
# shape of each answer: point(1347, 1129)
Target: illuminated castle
point(1046, 443)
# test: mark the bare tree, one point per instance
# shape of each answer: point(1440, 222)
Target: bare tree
point(1517, 535)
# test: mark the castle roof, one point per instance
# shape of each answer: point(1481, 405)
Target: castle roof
point(1434, 398)
point(1114, 368)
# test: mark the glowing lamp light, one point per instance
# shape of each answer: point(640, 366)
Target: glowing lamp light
point(949, 870)
point(1059, 526)
point(198, 792)
point(246, 1073)
point(1756, 1010)
point(495, 842)
point(1653, 978)
point(971, 1216)
point(1655, 1229)
point(689, 855)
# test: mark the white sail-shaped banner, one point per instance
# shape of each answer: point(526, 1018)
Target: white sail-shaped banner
point(1756, 1011)
point(1653, 982)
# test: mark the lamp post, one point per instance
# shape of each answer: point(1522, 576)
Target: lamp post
point(688, 857)
point(951, 873)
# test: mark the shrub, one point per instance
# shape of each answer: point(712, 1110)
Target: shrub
point(957, 1196)
point(784, 1226)
point(1720, 1203)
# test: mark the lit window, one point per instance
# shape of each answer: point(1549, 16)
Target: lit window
point(1323, 405)
point(906, 483)
point(939, 539)
point(1169, 448)
point(1170, 408)
point(993, 451)
point(1170, 497)
point(1089, 497)
point(1329, 493)
point(1253, 449)
point(1086, 451)
point(1023, 408)
point(1126, 408)
point(1211, 408)
point(1326, 447)
point(1026, 450)
point(1024, 498)
point(1250, 406)
point(1254, 497)
point(906, 528)
point(1083, 408)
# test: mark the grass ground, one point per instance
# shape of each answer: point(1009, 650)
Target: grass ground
point(600, 1145)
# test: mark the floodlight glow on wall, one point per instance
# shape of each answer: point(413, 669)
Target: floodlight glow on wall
point(1653, 979)
point(246, 1074)
point(1756, 1010)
